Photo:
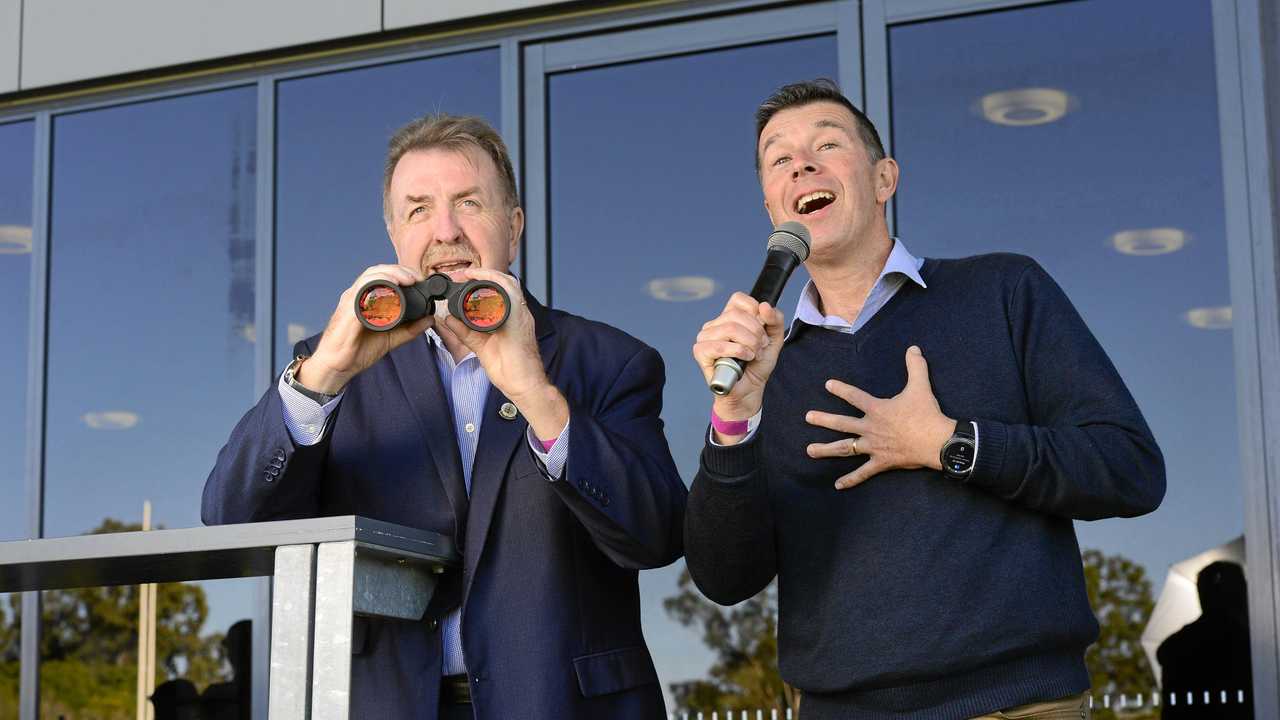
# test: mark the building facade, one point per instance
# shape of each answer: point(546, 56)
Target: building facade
point(186, 188)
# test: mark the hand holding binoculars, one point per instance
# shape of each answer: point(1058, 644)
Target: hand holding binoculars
point(482, 305)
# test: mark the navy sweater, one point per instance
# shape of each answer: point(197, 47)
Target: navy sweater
point(914, 595)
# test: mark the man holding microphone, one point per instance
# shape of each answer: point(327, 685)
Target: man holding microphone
point(917, 514)
point(537, 447)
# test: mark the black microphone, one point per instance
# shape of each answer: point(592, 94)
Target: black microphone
point(788, 247)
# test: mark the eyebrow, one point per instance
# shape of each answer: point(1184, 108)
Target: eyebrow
point(418, 199)
point(824, 123)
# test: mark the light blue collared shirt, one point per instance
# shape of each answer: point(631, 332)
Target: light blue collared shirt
point(466, 387)
point(900, 267)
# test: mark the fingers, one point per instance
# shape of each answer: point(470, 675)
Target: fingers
point(774, 323)
point(917, 370)
point(854, 396)
point(864, 472)
point(398, 274)
point(839, 423)
point(842, 448)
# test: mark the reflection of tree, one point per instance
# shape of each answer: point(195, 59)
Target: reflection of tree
point(1120, 594)
point(89, 646)
point(744, 637)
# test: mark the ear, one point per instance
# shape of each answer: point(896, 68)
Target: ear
point(517, 227)
point(886, 179)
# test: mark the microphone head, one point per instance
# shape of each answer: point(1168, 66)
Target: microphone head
point(792, 236)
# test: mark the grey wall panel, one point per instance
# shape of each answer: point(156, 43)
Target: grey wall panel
point(69, 40)
point(404, 13)
point(10, 43)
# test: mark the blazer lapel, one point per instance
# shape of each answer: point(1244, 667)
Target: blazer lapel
point(500, 439)
point(419, 377)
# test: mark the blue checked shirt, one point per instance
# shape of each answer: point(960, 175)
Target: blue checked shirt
point(467, 386)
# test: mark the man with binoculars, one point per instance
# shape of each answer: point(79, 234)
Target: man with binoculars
point(533, 440)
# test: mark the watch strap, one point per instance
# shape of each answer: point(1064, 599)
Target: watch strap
point(290, 379)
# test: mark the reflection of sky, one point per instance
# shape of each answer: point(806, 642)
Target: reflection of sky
point(151, 281)
point(16, 153)
point(1140, 150)
point(331, 143)
point(652, 176)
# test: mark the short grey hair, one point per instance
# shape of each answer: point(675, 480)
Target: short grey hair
point(449, 132)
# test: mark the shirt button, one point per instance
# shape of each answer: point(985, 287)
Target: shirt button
point(469, 427)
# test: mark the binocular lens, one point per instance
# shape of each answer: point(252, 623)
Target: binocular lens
point(380, 306)
point(484, 308)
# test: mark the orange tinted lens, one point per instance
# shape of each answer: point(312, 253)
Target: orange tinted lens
point(380, 306)
point(484, 307)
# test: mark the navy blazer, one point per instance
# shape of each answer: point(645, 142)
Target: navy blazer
point(548, 587)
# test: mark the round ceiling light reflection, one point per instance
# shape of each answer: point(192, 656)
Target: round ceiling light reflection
point(110, 419)
point(1149, 241)
point(1209, 318)
point(684, 288)
point(1025, 106)
point(15, 239)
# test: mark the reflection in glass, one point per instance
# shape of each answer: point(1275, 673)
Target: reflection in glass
point(1121, 199)
point(151, 282)
point(17, 152)
point(656, 218)
point(332, 142)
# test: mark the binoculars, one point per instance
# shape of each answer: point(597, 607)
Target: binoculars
point(481, 305)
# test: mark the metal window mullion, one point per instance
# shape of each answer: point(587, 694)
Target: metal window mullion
point(1251, 248)
point(264, 347)
point(900, 11)
point(849, 51)
point(509, 120)
point(37, 374)
point(693, 35)
point(537, 262)
point(875, 66)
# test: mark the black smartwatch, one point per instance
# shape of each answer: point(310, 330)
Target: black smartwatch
point(960, 453)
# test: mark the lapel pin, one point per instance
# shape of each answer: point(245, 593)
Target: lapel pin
point(508, 411)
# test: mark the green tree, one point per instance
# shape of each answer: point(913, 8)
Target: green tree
point(89, 645)
point(745, 640)
point(1120, 595)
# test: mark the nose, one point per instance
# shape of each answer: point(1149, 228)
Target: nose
point(445, 227)
point(803, 166)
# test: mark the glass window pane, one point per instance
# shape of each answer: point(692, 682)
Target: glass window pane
point(16, 154)
point(656, 218)
point(332, 135)
point(150, 364)
point(1086, 135)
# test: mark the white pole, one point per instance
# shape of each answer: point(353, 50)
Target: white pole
point(146, 636)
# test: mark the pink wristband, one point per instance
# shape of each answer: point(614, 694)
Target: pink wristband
point(546, 444)
point(728, 427)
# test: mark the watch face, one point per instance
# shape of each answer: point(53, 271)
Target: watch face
point(957, 458)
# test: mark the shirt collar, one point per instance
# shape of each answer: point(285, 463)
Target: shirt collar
point(899, 262)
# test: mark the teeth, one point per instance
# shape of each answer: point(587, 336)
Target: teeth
point(806, 199)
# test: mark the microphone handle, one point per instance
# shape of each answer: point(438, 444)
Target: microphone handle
point(778, 266)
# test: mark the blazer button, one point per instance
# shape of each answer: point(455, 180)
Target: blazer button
point(267, 476)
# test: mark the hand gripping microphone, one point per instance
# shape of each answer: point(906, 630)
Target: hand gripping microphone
point(788, 247)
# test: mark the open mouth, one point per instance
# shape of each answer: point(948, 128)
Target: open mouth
point(449, 266)
point(814, 201)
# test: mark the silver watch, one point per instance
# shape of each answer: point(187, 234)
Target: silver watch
point(291, 380)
